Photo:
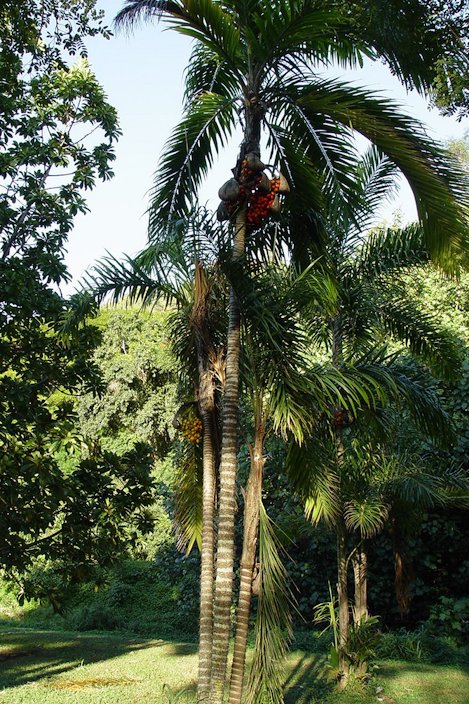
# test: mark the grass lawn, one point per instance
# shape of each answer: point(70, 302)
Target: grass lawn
point(52, 667)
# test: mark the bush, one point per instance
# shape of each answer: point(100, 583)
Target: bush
point(450, 618)
point(404, 645)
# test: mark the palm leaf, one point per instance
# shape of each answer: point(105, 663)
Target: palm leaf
point(387, 250)
point(204, 20)
point(188, 155)
point(439, 186)
point(273, 627)
point(367, 514)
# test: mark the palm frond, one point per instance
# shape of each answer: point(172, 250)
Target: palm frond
point(423, 404)
point(387, 250)
point(187, 157)
point(273, 627)
point(279, 32)
point(206, 73)
point(115, 279)
point(366, 514)
point(206, 21)
point(439, 187)
point(312, 473)
point(421, 333)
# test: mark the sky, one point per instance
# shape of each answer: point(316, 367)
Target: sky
point(142, 75)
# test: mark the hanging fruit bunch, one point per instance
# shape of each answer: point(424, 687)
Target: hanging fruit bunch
point(191, 428)
point(341, 419)
point(253, 188)
point(188, 423)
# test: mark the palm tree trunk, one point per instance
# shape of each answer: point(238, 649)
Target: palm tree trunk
point(251, 525)
point(402, 568)
point(228, 471)
point(228, 463)
point(342, 561)
point(342, 594)
point(207, 405)
point(359, 562)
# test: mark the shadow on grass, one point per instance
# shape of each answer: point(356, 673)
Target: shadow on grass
point(307, 676)
point(27, 656)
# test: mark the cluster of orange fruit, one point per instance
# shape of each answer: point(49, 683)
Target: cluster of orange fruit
point(260, 203)
point(253, 188)
point(191, 428)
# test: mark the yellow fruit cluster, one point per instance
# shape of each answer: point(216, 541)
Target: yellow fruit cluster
point(191, 428)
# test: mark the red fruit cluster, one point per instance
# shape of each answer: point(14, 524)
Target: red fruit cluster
point(260, 203)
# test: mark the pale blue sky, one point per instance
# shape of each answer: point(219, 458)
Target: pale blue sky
point(142, 75)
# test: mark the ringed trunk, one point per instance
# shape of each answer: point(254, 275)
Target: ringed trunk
point(251, 525)
point(228, 463)
point(228, 472)
point(207, 405)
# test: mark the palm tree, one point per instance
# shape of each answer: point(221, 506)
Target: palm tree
point(254, 61)
point(369, 305)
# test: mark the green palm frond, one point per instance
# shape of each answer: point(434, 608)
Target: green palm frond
point(324, 142)
point(423, 404)
point(418, 488)
point(421, 333)
point(188, 498)
point(279, 32)
point(205, 73)
point(366, 514)
point(114, 279)
point(311, 471)
point(438, 185)
point(376, 183)
point(387, 250)
point(188, 155)
point(273, 627)
point(206, 21)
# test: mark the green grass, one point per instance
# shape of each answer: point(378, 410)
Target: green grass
point(52, 667)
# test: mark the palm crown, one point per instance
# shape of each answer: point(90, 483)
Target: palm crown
point(259, 60)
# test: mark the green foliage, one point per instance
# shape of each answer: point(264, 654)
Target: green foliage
point(403, 645)
point(450, 617)
point(273, 622)
point(138, 374)
point(82, 513)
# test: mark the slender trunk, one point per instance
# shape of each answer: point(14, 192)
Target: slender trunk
point(342, 562)
point(228, 464)
point(228, 471)
point(342, 594)
point(402, 568)
point(207, 405)
point(251, 525)
point(359, 562)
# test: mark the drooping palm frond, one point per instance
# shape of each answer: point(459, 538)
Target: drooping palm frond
point(205, 73)
point(438, 185)
point(115, 279)
point(311, 470)
point(423, 403)
point(206, 21)
point(279, 32)
point(188, 155)
point(324, 143)
point(273, 627)
point(375, 182)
